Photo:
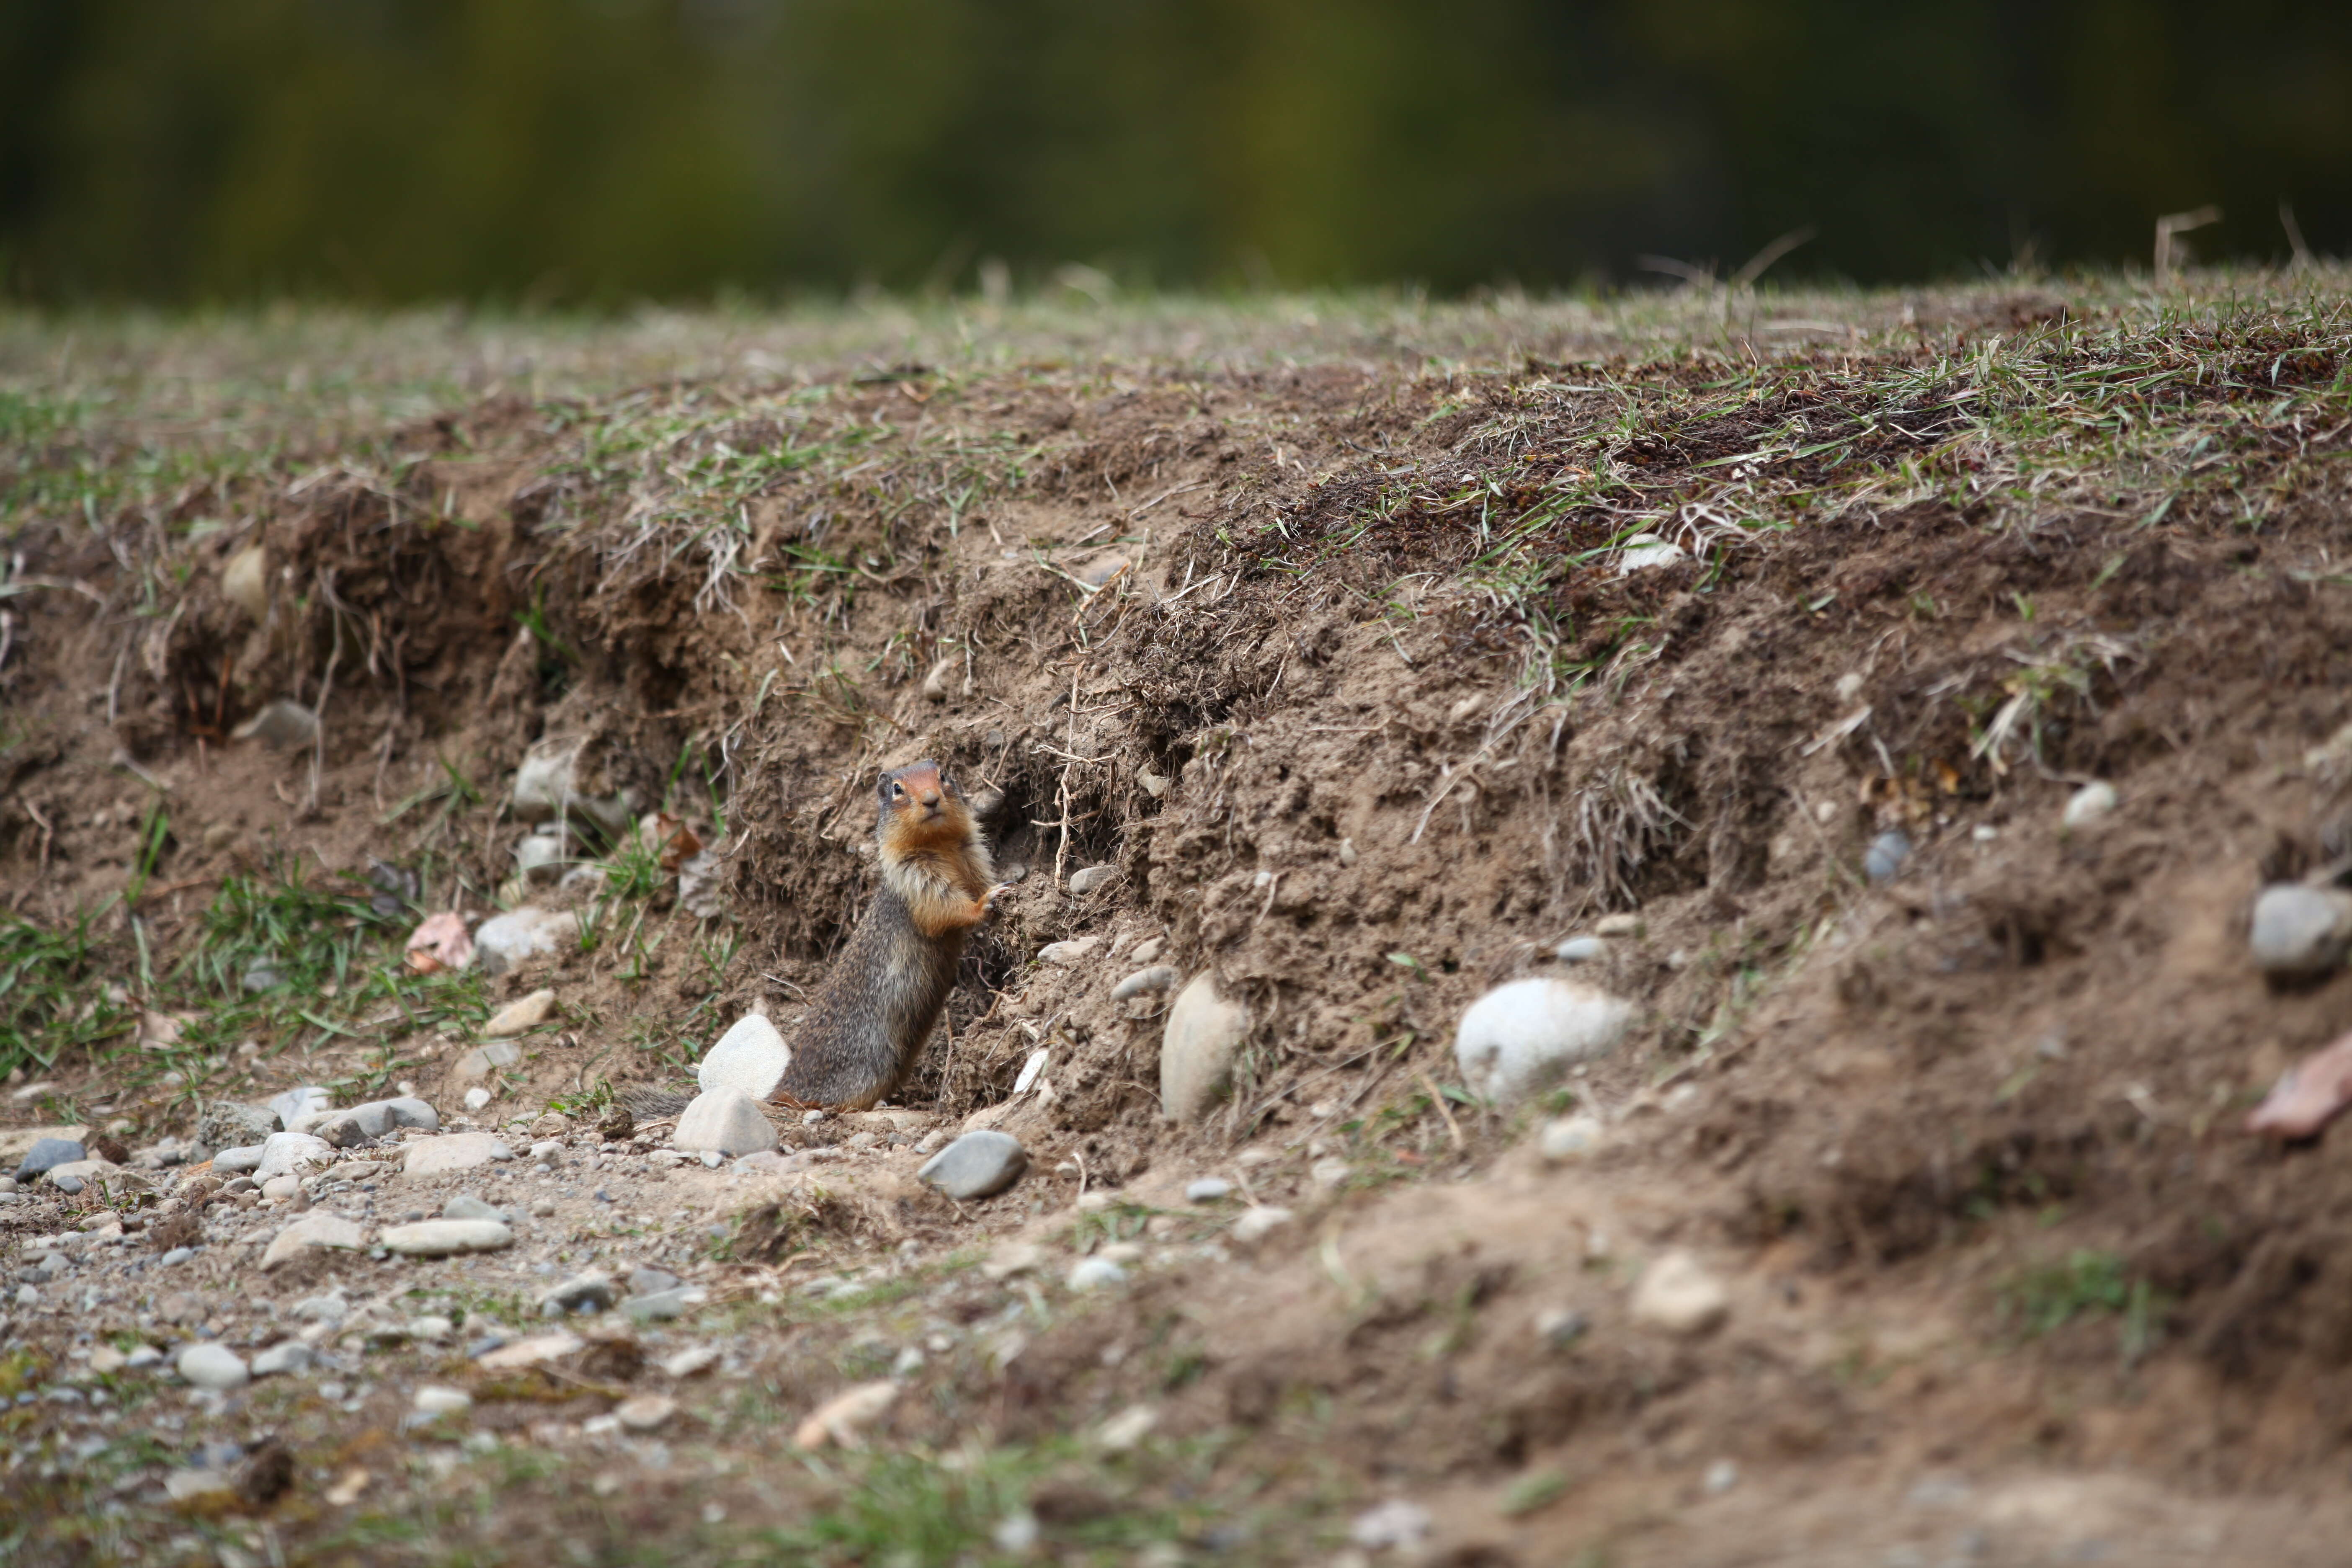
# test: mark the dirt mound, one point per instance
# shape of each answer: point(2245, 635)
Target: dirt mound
point(1360, 688)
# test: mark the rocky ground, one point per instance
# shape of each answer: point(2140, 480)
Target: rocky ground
point(1695, 929)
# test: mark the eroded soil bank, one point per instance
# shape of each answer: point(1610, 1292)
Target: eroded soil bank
point(1758, 646)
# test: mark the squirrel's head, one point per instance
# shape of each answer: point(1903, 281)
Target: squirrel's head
point(921, 796)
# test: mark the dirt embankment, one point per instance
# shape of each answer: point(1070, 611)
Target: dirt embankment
point(1351, 680)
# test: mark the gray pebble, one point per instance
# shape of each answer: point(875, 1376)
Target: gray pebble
point(1208, 1190)
point(1086, 880)
point(1885, 855)
point(1580, 950)
point(466, 1205)
point(976, 1166)
point(2300, 931)
point(589, 1292)
point(662, 1305)
point(177, 1255)
point(47, 1153)
point(291, 1355)
point(229, 1125)
point(69, 1186)
point(646, 1280)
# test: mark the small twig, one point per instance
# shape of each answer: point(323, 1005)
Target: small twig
point(1437, 1097)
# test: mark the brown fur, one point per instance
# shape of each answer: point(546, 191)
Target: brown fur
point(878, 1006)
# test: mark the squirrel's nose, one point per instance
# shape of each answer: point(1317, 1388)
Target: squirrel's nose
point(930, 797)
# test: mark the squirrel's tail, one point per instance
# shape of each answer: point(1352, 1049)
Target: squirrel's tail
point(644, 1101)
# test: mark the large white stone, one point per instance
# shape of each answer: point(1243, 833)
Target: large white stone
point(440, 1237)
point(750, 1059)
point(504, 940)
point(1519, 1039)
point(452, 1152)
point(348, 1128)
point(726, 1121)
point(518, 1016)
point(548, 784)
point(209, 1366)
point(1197, 1046)
point(1678, 1294)
point(292, 1155)
point(313, 1230)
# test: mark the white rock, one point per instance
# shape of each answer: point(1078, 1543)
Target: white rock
point(238, 1162)
point(1094, 1273)
point(200, 1485)
point(477, 1098)
point(292, 1155)
point(1644, 550)
point(1126, 1429)
point(690, 1361)
point(245, 582)
point(1619, 924)
point(286, 1356)
point(486, 1059)
point(452, 1152)
point(1581, 949)
point(1087, 880)
point(1567, 1138)
point(645, 1412)
point(282, 726)
point(1159, 977)
point(725, 1120)
point(1011, 1258)
point(1678, 1294)
point(1394, 1523)
point(530, 1352)
point(548, 784)
point(1328, 1172)
point(1197, 1047)
point(1069, 953)
point(299, 1102)
point(441, 1237)
point(1154, 784)
point(349, 1129)
point(1149, 950)
point(541, 857)
point(2089, 803)
point(1031, 1071)
point(750, 1058)
point(504, 940)
point(2297, 932)
point(1519, 1039)
point(976, 1166)
point(434, 1400)
point(314, 1229)
point(518, 1016)
point(209, 1366)
point(1259, 1221)
point(1208, 1190)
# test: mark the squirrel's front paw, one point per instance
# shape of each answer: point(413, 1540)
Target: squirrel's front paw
point(989, 897)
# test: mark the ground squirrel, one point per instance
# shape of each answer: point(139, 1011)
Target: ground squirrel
point(860, 1036)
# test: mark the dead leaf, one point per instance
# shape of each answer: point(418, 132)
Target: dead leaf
point(2308, 1096)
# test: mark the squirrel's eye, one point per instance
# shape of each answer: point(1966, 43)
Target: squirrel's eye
point(898, 790)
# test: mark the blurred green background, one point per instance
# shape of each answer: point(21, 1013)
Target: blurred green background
point(586, 151)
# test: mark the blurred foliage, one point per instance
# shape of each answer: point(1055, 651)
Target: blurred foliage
point(587, 150)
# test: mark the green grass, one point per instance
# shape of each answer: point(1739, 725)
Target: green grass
point(2086, 1283)
point(53, 998)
